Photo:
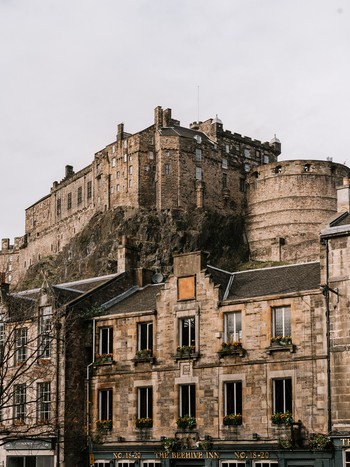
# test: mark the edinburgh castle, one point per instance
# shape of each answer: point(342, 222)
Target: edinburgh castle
point(168, 167)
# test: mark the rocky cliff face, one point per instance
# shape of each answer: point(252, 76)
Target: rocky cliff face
point(156, 235)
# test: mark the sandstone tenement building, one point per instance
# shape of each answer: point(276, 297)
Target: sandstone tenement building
point(168, 166)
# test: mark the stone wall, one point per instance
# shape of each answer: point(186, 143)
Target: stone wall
point(147, 169)
point(206, 369)
point(287, 202)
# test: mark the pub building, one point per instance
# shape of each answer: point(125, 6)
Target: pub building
point(211, 368)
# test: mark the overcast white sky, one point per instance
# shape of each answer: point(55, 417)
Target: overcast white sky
point(71, 70)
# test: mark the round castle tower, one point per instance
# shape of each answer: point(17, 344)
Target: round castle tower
point(287, 202)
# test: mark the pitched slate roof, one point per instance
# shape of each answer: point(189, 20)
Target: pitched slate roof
point(275, 281)
point(183, 132)
point(138, 299)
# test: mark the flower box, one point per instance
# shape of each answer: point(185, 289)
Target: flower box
point(144, 423)
point(104, 358)
point(231, 348)
point(104, 425)
point(144, 355)
point(281, 340)
point(186, 422)
point(234, 419)
point(186, 351)
point(281, 343)
point(282, 418)
point(319, 442)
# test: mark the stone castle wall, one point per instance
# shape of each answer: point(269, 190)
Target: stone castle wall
point(287, 204)
point(163, 166)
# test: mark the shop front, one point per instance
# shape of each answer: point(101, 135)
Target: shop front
point(29, 453)
point(220, 456)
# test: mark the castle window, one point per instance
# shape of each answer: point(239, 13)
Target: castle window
point(130, 183)
point(233, 326)
point(167, 169)
point(224, 180)
point(198, 173)
point(242, 185)
point(112, 189)
point(80, 195)
point(198, 155)
point(145, 403)
point(105, 404)
point(130, 169)
point(227, 148)
point(277, 169)
point(281, 321)
point(266, 159)
point(187, 400)
point(125, 158)
point(118, 174)
point(113, 162)
point(246, 167)
point(282, 395)
point(233, 398)
point(113, 148)
point(69, 201)
point(118, 188)
point(247, 153)
point(43, 402)
point(224, 164)
point(150, 155)
point(307, 167)
point(89, 189)
point(58, 206)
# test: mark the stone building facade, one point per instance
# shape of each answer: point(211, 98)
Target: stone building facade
point(164, 166)
point(212, 368)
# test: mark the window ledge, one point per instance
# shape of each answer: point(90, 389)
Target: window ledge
point(137, 360)
point(235, 352)
point(280, 348)
point(186, 355)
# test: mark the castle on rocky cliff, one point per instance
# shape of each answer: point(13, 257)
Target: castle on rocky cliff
point(168, 166)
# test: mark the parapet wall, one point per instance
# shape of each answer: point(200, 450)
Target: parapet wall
point(287, 203)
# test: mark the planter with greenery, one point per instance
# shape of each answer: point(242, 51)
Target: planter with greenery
point(319, 442)
point(104, 358)
point(186, 422)
point(231, 348)
point(233, 419)
point(104, 425)
point(282, 418)
point(144, 423)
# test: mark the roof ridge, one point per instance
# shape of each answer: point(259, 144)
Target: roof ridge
point(279, 267)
